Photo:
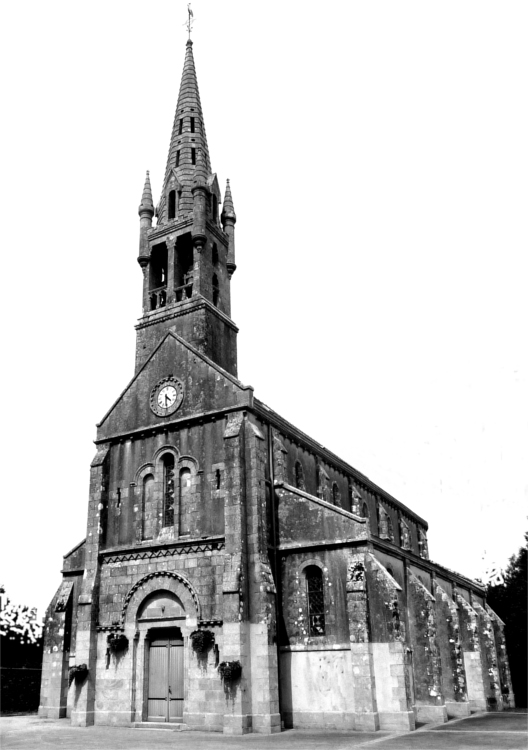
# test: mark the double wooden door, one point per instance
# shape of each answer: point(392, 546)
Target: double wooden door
point(165, 678)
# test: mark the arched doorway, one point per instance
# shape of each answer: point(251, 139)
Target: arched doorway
point(164, 663)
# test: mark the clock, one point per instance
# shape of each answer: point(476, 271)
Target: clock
point(166, 396)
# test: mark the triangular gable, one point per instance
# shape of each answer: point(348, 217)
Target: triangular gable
point(214, 187)
point(206, 387)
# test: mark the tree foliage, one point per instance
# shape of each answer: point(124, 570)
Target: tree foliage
point(509, 601)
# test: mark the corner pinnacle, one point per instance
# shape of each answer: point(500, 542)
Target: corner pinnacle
point(147, 204)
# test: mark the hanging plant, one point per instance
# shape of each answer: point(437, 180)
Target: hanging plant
point(230, 670)
point(117, 642)
point(202, 640)
point(77, 673)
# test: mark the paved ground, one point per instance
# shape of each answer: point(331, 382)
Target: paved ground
point(504, 731)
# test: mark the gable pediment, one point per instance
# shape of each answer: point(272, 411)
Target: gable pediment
point(205, 387)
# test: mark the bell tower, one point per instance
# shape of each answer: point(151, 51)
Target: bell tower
point(188, 257)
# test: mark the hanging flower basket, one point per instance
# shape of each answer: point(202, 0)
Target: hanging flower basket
point(117, 642)
point(77, 673)
point(230, 670)
point(202, 640)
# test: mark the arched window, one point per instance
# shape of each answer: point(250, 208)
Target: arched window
point(148, 508)
point(364, 511)
point(168, 487)
point(185, 497)
point(355, 499)
point(172, 204)
point(422, 544)
point(336, 495)
point(323, 490)
point(299, 476)
point(315, 596)
point(215, 253)
point(216, 290)
point(405, 535)
point(384, 524)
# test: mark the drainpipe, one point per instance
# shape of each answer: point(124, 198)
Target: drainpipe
point(276, 561)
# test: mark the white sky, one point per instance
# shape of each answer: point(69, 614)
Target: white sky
point(378, 156)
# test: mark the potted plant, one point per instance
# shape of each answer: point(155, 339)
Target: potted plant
point(77, 673)
point(117, 642)
point(230, 670)
point(202, 640)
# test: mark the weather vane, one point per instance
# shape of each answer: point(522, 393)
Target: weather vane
point(190, 19)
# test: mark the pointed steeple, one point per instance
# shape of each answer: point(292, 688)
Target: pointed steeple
point(188, 160)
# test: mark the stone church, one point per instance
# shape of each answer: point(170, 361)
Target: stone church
point(237, 576)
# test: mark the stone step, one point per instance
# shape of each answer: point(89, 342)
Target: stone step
point(172, 727)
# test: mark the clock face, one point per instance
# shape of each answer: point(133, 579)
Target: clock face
point(166, 396)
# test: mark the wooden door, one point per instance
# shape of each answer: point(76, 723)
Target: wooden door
point(165, 679)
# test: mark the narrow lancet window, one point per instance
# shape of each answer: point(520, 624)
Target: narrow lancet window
point(193, 155)
point(178, 158)
point(180, 129)
point(315, 596)
point(168, 494)
point(299, 476)
point(172, 204)
point(192, 124)
point(216, 290)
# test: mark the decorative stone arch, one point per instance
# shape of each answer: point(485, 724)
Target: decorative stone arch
point(143, 471)
point(166, 580)
point(167, 448)
point(188, 462)
point(311, 561)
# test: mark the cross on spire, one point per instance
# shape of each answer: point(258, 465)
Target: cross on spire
point(190, 19)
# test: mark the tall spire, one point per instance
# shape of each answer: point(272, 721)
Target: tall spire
point(188, 152)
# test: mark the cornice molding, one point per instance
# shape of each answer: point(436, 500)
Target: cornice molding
point(191, 547)
point(179, 309)
point(150, 430)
